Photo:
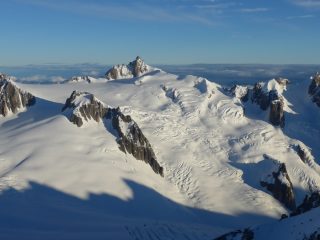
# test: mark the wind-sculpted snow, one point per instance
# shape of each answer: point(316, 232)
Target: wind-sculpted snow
point(12, 98)
point(135, 68)
point(85, 106)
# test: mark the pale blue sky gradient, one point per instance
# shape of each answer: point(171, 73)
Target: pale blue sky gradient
point(162, 32)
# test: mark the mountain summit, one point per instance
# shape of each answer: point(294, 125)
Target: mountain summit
point(135, 68)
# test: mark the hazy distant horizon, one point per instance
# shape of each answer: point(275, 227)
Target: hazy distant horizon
point(219, 73)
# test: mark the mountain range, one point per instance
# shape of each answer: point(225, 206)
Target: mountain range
point(140, 153)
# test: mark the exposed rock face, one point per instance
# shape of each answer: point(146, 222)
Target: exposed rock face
point(314, 89)
point(12, 98)
point(138, 67)
point(269, 95)
point(279, 184)
point(132, 140)
point(84, 106)
point(276, 114)
point(309, 202)
point(135, 68)
point(246, 234)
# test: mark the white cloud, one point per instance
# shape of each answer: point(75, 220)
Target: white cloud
point(33, 78)
point(253, 10)
point(57, 79)
point(307, 3)
point(137, 10)
point(301, 17)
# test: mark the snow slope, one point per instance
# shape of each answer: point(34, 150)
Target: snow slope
point(58, 181)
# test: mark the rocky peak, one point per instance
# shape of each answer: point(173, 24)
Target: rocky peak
point(269, 95)
point(84, 106)
point(135, 68)
point(12, 98)
point(314, 88)
point(279, 184)
point(138, 67)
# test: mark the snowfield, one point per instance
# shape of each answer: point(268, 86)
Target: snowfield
point(60, 181)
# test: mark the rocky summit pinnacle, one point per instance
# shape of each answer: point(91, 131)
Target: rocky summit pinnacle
point(135, 68)
point(12, 98)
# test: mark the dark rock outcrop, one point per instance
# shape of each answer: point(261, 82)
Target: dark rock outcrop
point(135, 68)
point(131, 139)
point(280, 185)
point(314, 89)
point(260, 97)
point(245, 234)
point(12, 98)
point(84, 106)
point(309, 202)
point(276, 114)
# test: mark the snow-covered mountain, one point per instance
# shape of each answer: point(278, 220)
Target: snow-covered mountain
point(216, 160)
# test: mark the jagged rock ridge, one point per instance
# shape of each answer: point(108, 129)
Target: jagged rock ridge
point(280, 185)
point(12, 98)
point(84, 106)
point(135, 68)
point(132, 140)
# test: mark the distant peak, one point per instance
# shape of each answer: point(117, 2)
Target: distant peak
point(135, 68)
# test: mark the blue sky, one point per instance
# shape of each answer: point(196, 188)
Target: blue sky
point(162, 32)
